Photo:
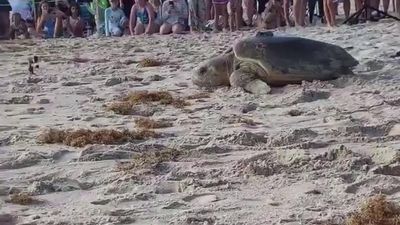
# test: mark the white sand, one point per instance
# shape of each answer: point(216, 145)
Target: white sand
point(312, 168)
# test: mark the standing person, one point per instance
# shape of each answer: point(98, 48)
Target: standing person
point(142, 18)
point(397, 7)
point(299, 10)
point(311, 9)
point(249, 8)
point(175, 14)
point(115, 20)
point(209, 9)
point(236, 14)
point(4, 19)
point(220, 9)
point(330, 13)
point(49, 22)
point(197, 15)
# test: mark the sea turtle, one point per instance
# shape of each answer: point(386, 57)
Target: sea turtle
point(265, 60)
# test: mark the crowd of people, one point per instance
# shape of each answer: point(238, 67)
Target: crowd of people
point(77, 18)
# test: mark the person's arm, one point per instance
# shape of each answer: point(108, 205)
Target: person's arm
point(152, 15)
point(132, 20)
point(40, 24)
point(106, 28)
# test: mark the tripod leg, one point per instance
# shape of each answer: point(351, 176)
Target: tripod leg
point(355, 15)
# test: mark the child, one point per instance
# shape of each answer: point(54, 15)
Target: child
point(157, 7)
point(220, 9)
point(142, 18)
point(197, 15)
point(18, 28)
point(174, 14)
point(49, 23)
point(74, 24)
point(115, 20)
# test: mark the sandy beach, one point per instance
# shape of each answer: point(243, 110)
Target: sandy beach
point(305, 154)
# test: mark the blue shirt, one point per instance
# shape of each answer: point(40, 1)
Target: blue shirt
point(113, 18)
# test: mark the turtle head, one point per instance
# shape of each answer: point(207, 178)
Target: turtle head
point(214, 72)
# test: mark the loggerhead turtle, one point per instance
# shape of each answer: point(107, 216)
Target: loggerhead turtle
point(258, 62)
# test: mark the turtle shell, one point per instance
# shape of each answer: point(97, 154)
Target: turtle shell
point(294, 58)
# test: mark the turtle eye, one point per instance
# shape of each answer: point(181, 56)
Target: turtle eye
point(202, 70)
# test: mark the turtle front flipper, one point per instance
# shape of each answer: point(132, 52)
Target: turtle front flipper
point(249, 81)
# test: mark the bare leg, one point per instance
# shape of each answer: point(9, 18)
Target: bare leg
point(386, 4)
point(225, 16)
point(332, 13)
point(208, 9)
point(297, 7)
point(232, 15)
point(165, 28)
point(358, 4)
point(249, 82)
point(58, 27)
point(327, 13)
point(346, 8)
point(139, 28)
point(303, 12)
point(250, 10)
point(217, 13)
point(238, 14)
point(286, 12)
point(397, 7)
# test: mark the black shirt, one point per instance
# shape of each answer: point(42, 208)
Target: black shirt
point(4, 6)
